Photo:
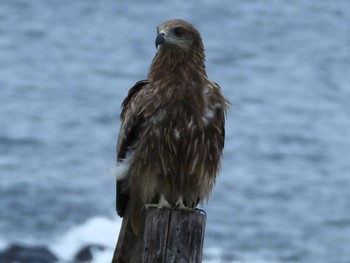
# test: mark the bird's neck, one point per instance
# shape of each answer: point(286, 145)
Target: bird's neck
point(177, 66)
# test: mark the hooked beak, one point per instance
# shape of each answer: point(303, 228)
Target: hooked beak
point(160, 39)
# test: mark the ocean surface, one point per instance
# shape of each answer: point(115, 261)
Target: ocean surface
point(283, 194)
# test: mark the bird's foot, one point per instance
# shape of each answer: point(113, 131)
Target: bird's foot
point(181, 206)
point(163, 203)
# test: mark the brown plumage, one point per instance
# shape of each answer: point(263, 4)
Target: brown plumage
point(171, 136)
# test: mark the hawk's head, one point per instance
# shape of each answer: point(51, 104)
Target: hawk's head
point(178, 34)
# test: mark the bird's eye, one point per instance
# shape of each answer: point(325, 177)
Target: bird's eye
point(179, 32)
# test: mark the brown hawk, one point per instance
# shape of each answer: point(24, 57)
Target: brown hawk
point(171, 136)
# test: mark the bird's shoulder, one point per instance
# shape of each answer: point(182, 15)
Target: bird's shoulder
point(132, 94)
point(212, 91)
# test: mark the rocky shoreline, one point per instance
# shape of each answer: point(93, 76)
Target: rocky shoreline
point(16, 253)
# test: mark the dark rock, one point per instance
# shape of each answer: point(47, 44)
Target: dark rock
point(21, 254)
point(86, 253)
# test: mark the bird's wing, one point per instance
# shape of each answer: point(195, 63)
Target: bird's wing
point(222, 117)
point(128, 134)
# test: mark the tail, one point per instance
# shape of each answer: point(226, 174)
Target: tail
point(130, 240)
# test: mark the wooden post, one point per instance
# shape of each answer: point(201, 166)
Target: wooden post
point(173, 236)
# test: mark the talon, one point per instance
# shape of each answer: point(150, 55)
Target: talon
point(181, 206)
point(162, 203)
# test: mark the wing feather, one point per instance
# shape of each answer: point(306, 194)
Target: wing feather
point(128, 134)
point(222, 116)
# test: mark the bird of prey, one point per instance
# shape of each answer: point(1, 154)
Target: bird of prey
point(171, 136)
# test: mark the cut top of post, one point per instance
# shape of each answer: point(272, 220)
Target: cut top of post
point(173, 236)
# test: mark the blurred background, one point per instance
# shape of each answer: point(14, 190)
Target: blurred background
point(283, 192)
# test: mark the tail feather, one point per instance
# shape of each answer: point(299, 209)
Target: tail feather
point(130, 240)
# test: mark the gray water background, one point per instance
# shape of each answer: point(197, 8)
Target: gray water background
point(284, 191)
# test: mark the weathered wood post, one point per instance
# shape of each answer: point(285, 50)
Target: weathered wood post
point(173, 236)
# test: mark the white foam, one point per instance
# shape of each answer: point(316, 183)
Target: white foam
point(3, 244)
point(98, 230)
point(104, 231)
